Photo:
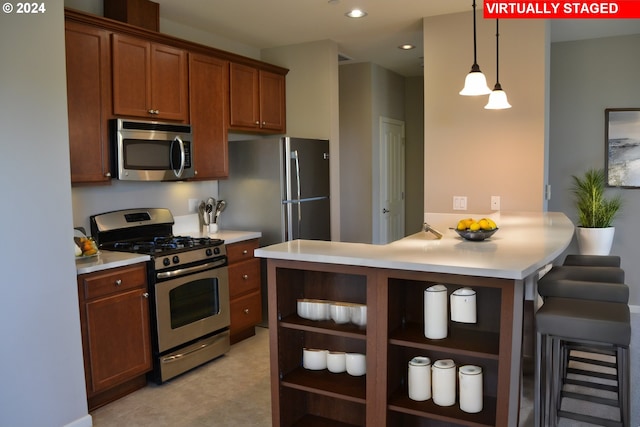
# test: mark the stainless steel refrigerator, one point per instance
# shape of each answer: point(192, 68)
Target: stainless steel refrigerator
point(279, 186)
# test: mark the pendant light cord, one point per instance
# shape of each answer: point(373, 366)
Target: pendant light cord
point(475, 61)
point(497, 53)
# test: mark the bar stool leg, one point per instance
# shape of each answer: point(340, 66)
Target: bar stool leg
point(556, 381)
point(538, 407)
point(623, 385)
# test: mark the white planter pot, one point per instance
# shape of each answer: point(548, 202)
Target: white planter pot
point(595, 241)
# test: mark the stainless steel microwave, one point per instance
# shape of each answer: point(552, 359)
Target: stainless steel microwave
point(152, 151)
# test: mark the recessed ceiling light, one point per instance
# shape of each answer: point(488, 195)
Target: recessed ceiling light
point(406, 46)
point(356, 13)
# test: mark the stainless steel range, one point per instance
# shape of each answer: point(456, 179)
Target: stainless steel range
point(188, 285)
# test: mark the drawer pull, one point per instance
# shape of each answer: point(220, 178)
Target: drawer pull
point(246, 311)
point(245, 276)
point(118, 282)
point(146, 294)
point(244, 252)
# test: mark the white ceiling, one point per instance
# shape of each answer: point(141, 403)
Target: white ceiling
point(375, 38)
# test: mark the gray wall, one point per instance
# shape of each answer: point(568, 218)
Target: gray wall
point(587, 77)
point(368, 92)
point(414, 154)
point(42, 369)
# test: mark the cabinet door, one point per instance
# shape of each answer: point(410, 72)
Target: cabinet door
point(169, 86)
point(208, 87)
point(244, 104)
point(118, 339)
point(88, 102)
point(131, 81)
point(272, 102)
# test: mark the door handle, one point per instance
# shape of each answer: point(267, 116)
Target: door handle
point(385, 210)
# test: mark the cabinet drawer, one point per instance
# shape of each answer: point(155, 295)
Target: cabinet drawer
point(246, 312)
point(240, 251)
point(94, 285)
point(244, 277)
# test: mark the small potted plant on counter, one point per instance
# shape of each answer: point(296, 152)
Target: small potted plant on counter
point(595, 213)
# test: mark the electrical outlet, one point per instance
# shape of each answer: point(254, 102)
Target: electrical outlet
point(495, 203)
point(459, 203)
point(193, 205)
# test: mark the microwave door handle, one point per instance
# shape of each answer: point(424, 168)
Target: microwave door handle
point(178, 174)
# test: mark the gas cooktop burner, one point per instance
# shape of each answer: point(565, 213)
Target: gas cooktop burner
point(163, 244)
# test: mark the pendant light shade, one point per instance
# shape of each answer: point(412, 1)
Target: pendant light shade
point(498, 98)
point(475, 83)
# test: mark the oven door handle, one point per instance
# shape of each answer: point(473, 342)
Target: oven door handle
point(176, 357)
point(189, 270)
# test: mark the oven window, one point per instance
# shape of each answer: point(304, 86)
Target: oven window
point(193, 301)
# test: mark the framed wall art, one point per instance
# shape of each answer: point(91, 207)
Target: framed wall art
point(622, 147)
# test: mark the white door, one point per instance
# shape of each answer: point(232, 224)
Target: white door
point(391, 180)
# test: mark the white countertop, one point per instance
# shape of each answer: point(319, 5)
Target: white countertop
point(524, 243)
point(187, 225)
point(108, 259)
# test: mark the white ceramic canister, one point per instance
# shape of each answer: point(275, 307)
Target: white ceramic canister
point(337, 361)
point(463, 305)
point(420, 378)
point(443, 382)
point(435, 312)
point(470, 379)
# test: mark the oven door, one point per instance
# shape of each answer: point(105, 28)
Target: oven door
point(191, 306)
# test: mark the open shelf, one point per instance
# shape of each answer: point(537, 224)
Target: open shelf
point(400, 402)
point(459, 341)
point(342, 386)
point(314, 421)
point(326, 327)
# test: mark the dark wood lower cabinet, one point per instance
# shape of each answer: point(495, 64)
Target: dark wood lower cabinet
point(244, 289)
point(394, 335)
point(114, 316)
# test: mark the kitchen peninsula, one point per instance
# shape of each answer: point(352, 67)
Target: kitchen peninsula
point(391, 280)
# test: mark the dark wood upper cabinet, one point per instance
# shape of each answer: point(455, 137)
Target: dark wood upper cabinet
point(208, 93)
point(149, 80)
point(88, 101)
point(257, 100)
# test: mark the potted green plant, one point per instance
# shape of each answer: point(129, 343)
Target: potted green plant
point(595, 213)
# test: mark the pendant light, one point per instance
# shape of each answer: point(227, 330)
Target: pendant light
point(498, 98)
point(475, 83)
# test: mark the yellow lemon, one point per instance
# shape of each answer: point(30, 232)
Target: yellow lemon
point(462, 225)
point(484, 224)
point(474, 227)
point(492, 224)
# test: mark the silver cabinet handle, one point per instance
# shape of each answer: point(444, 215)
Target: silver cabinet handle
point(245, 252)
point(146, 294)
point(153, 111)
point(108, 174)
point(246, 311)
point(118, 282)
point(245, 276)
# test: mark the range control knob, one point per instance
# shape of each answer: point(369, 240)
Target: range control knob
point(208, 251)
point(176, 259)
point(166, 262)
point(216, 251)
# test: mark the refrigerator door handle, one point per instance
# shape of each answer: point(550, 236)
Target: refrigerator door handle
point(294, 156)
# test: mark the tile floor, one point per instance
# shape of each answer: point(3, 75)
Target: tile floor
point(233, 390)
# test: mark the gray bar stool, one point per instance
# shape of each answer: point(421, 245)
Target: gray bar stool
point(592, 260)
point(597, 325)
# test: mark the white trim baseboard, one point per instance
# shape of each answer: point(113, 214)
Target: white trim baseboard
point(85, 421)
